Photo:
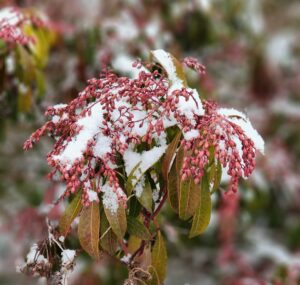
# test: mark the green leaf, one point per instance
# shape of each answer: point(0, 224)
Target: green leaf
point(26, 65)
point(70, 214)
point(173, 188)
point(159, 258)
point(189, 197)
point(154, 277)
point(133, 244)
point(40, 47)
point(25, 99)
point(40, 83)
point(179, 159)
point(174, 180)
point(117, 220)
point(146, 197)
point(136, 228)
point(188, 193)
point(129, 183)
point(108, 240)
point(201, 217)
point(168, 157)
point(134, 207)
point(89, 229)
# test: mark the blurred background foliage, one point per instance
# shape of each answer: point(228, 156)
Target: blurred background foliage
point(252, 53)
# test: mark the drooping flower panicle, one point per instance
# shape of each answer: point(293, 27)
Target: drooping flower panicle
point(97, 133)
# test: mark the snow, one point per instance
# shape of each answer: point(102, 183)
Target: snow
point(152, 29)
point(280, 48)
point(59, 106)
point(67, 262)
point(126, 258)
point(23, 88)
point(155, 195)
point(243, 122)
point(123, 63)
point(110, 197)
point(34, 256)
point(139, 187)
point(123, 26)
point(228, 112)
point(190, 107)
point(56, 118)
point(251, 133)
point(131, 159)
point(67, 257)
point(103, 145)
point(166, 62)
point(286, 108)
point(204, 5)
point(150, 157)
point(90, 127)
point(10, 15)
point(265, 247)
point(10, 64)
point(137, 117)
point(146, 159)
point(89, 13)
point(61, 239)
point(91, 124)
point(192, 134)
point(161, 139)
point(253, 16)
point(92, 195)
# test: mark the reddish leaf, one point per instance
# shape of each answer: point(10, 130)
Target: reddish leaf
point(117, 220)
point(89, 229)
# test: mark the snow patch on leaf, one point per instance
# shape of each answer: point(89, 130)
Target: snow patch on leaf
point(111, 197)
point(146, 159)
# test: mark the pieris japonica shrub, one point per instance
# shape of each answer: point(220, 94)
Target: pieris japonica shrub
point(25, 39)
point(127, 146)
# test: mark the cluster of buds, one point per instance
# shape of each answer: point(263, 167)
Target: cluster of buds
point(223, 139)
point(13, 22)
point(125, 111)
point(193, 63)
point(114, 114)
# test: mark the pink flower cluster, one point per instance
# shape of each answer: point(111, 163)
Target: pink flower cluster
point(128, 105)
point(11, 21)
point(193, 63)
point(228, 142)
point(114, 114)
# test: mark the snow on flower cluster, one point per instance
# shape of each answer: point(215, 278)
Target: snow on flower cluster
point(233, 138)
point(97, 133)
point(12, 22)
